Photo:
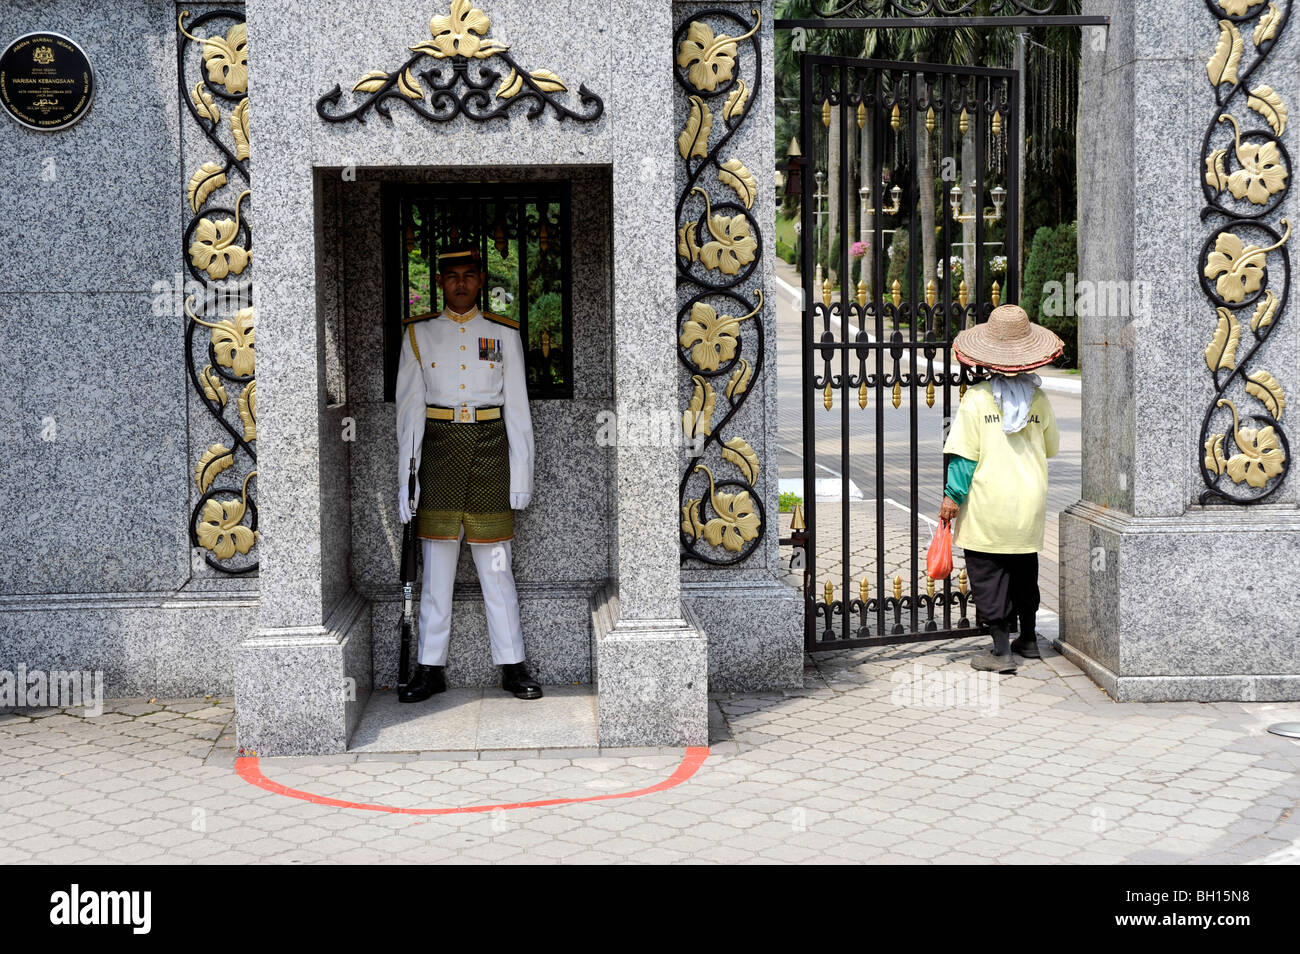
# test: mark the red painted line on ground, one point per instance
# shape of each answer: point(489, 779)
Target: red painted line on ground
point(249, 770)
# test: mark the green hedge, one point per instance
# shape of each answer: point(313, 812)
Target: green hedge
point(1052, 256)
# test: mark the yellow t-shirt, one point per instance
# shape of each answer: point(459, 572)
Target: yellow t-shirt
point(1004, 510)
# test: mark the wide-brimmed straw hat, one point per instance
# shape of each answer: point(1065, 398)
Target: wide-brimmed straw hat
point(1008, 341)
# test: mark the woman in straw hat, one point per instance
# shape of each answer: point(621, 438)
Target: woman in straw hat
point(996, 484)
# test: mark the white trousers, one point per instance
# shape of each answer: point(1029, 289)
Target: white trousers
point(501, 602)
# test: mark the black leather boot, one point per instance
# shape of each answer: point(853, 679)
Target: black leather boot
point(515, 679)
point(425, 681)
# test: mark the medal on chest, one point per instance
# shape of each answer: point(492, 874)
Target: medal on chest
point(489, 349)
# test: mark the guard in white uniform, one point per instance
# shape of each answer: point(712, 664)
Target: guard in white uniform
point(462, 404)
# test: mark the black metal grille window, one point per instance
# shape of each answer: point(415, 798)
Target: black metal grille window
point(521, 230)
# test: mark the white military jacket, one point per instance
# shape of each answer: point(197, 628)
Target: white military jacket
point(468, 360)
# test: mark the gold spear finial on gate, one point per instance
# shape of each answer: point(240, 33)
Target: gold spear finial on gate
point(895, 120)
point(898, 586)
point(963, 123)
point(862, 294)
point(929, 119)
point(864, 589)
point(826, 292)
point(826, 113)
point(962, 293)
point(896, 293)
point(862, 395)
point(929, 394)
point(862, 115)
point(929, 586)
point(961, 581)
point(931, 293)
point(796, 519)
point(996, 294)
point(830, 592)
point(898, 393)
point(829, 398)
point(997, 123)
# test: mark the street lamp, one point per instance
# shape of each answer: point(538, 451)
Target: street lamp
point(990, 215)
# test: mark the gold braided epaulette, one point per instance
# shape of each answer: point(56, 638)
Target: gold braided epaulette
point(501, 319)
point(427, 314)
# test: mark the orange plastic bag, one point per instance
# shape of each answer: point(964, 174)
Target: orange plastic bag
point(938, 560)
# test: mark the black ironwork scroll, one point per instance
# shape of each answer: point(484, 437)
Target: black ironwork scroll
point(463, 84)
point(718, 251)
point(218, 247)
point(1245, 181)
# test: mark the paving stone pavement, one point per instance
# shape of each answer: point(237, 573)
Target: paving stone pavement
point(901, 754)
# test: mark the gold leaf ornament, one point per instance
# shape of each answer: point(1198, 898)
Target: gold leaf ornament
point(232, 341)
point(687, 247)
point(734, 174)
point(1264, 311)
point(1215, 462)
point(1239, 268)
point(697, 419)
point(215, 459)
point(239, 128)
point(1222, 66)
point(738, 383)
point(204, 104)
point(1262, 172)
point(372, 82)
point(739, 452)
point(462, 32)
point(736, 523)
point(732, 247)
point(212, 249)
point(1269, 104)
point(736, 100)
point(1268, 390)
point(1216, 177)
point(694, 137)
point(544, 80)
point(709, 60)
point(213, 387)
point(207, 179)
point(220, 529)
point(692, 525)
point(1221, 352)
point(713, 338)
point(226, 59)
point(409, 86)
point(248, 410)
point(1266, 28)
point(1260, 458)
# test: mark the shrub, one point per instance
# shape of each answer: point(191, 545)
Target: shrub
point(786, 253)
point(1054, 253)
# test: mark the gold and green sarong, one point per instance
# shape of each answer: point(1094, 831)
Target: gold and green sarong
point(465, 476)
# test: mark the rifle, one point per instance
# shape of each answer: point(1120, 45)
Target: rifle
point(408, 580)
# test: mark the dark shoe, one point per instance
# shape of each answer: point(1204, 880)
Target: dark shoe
point(515, 679)
point(1026, 647)
point(987, 661)
point(425, 681)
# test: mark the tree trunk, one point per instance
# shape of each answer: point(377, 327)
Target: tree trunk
point(867, 160)
point(833, 172)
point(968, 208)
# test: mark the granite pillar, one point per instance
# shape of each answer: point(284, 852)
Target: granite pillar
point(1166, 593)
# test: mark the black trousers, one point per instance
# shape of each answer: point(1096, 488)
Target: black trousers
point(1005, 588)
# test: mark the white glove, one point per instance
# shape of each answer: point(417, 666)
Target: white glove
point(403, 501)
point(519, 501)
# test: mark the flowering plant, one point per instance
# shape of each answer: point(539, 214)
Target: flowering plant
point(998, 264)
point(858, 249)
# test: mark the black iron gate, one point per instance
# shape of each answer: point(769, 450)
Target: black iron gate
point(877, 340)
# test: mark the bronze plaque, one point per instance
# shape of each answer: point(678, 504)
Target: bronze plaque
point(46, 82)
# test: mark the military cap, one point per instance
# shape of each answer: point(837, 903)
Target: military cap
point(459, 254)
